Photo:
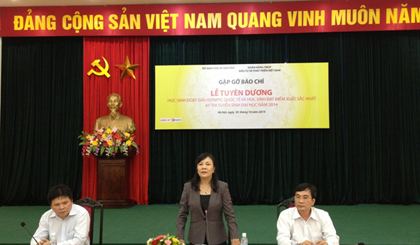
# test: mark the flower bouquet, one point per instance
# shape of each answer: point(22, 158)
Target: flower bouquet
point(107, 140)
point(163, 240)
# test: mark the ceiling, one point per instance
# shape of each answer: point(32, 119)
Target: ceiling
point(26, 3)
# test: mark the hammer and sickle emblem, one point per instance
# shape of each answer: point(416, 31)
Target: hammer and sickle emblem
point(104, 71)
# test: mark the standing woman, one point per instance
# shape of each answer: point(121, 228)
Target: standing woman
point(207, 198)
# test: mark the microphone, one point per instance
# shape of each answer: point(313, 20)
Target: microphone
point(24, 226)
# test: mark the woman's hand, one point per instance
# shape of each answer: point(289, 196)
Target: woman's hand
point(235, 242)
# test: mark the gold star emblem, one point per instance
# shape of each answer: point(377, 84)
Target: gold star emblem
point(127, 69)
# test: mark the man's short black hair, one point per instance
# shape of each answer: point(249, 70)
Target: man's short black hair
point(59, 191)
point(307, 186)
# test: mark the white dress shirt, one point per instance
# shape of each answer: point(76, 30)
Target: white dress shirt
point(74, 230)
point(293, 229)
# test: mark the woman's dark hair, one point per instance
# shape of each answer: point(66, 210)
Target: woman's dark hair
point(59, 191)
point(195, 181)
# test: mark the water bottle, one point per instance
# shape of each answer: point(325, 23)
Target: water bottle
point(53, 239)
point(244, 240)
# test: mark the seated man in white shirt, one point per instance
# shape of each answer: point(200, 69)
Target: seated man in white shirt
point(304, 224)
point(70, 222)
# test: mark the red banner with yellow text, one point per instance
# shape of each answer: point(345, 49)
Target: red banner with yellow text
point(211, 19)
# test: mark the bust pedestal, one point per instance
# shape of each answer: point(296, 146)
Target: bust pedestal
point(113, 189)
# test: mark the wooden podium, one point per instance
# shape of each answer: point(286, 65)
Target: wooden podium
point(113, 189)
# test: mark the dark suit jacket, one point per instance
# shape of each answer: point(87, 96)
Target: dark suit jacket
point(220, 202)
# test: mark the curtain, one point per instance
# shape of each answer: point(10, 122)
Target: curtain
point(135, 99)
point(41, 117)
point(368, 155)
point(1, 48)
point(382, 94)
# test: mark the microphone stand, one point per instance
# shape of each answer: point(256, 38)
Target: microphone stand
point(24, 226)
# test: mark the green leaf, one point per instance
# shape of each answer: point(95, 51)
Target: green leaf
point(92, 149)
point(102, 150)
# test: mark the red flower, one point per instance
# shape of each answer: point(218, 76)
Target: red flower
point(159, 237)
point(116, 136)
point(105, 144)
point(155, 242)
